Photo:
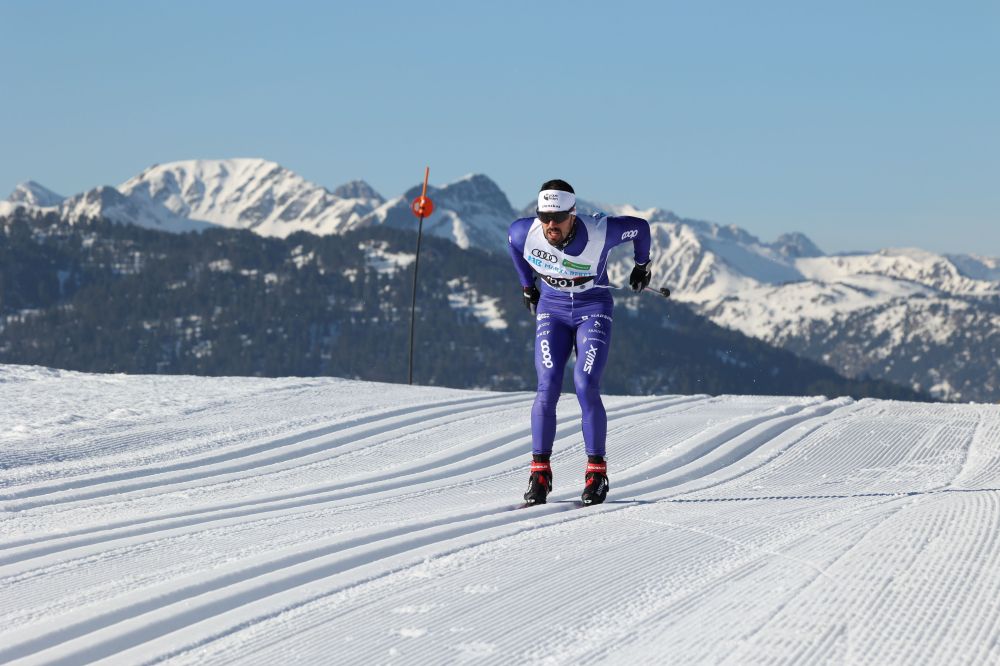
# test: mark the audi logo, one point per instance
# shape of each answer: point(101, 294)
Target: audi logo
point(542, 254)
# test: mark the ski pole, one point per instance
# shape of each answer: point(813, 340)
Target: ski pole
point(660, 291)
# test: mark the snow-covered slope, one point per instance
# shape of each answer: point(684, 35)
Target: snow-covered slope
point(109, 203)
point(924, 320)
point(470, 211)
point(32, 194)
point(271, 200)
point(196, 194)
point(220, 520)
point(787, 292)
point(251, 194)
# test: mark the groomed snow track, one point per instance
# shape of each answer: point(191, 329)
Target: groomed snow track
point(202, 521)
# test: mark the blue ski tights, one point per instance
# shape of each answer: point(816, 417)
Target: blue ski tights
point(563, 325)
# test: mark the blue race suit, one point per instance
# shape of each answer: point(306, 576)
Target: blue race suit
point(575, 311)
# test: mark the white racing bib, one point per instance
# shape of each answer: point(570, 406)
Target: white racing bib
point(563, 271)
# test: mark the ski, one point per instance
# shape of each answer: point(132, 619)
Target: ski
point(576, 504)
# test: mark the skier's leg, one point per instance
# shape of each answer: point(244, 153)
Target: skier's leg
point(553, 342)
point(593, 342)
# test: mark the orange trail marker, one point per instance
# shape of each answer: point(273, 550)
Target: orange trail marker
point(422, 206)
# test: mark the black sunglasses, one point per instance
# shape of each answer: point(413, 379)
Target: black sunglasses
point(558, 218)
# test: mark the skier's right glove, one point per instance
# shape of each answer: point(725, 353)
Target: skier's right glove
point(531, 296)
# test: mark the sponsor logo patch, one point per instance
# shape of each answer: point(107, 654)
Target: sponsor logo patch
point(590, 357)
point(546, 353)
point(630, 234)
point(546, 256)
point(580, 267)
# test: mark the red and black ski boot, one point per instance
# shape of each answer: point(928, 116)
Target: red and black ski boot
point(540, 481)
point(595, 487)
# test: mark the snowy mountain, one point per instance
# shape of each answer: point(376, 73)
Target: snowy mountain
point(919, 319)
point(271, 200)
point(924, 320)
point(33, 194)
point(472, 210)
point(251, 194)
point(110, 204)
point(29, 195)
point(929, 321)
point(182, 196)
point(196, 520)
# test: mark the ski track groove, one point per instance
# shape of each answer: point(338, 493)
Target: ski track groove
point(30, 548)
point(799, 453)
point(108, 553)
point(276, 410)
point(360, 481)
point(356, 484)
point(900, 470)
point(478, 524)
point(256, 457)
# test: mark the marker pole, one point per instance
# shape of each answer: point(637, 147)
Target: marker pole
point(421, 207)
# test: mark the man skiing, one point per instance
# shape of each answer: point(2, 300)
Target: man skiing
point(573, 310)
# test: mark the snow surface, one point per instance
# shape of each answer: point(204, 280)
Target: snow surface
point(234, 520)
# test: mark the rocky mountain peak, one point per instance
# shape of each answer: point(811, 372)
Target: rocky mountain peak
point(33, 194)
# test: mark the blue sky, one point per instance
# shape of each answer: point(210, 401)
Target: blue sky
point(862, 124)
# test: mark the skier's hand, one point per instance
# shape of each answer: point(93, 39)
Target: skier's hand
point(531, 296)
point(639, 279)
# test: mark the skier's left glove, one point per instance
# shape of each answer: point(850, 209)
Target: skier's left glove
point(639, 279)
point(531, 296)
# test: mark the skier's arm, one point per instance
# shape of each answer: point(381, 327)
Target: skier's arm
point(515, 243)
point(635, 229)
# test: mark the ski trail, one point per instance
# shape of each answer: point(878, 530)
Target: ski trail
point(503, 455)
point(738, 530)
point(72, 426)
point(286, 450)
point(890, 587)
point(818, 531)
point(124, 557)
point(840, 541)
point(257, 576)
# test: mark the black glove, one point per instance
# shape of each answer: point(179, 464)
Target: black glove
point(531, 296)
point(639, 279)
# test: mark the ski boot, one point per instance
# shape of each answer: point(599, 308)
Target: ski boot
point(540, 481)
point(595, 481)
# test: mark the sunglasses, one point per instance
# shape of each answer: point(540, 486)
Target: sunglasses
point(558, 218)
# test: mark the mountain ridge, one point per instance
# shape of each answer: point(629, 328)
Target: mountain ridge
point(787, 292)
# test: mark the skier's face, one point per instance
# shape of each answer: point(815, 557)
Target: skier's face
point(556, 232)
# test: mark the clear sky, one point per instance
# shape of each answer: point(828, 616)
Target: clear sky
point(862, 124)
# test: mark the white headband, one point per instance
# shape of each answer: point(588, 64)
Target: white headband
point(555, 201)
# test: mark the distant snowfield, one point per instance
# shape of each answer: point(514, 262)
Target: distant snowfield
point(199, 521)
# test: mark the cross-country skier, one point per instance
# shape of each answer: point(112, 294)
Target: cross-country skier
point(573, 310)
